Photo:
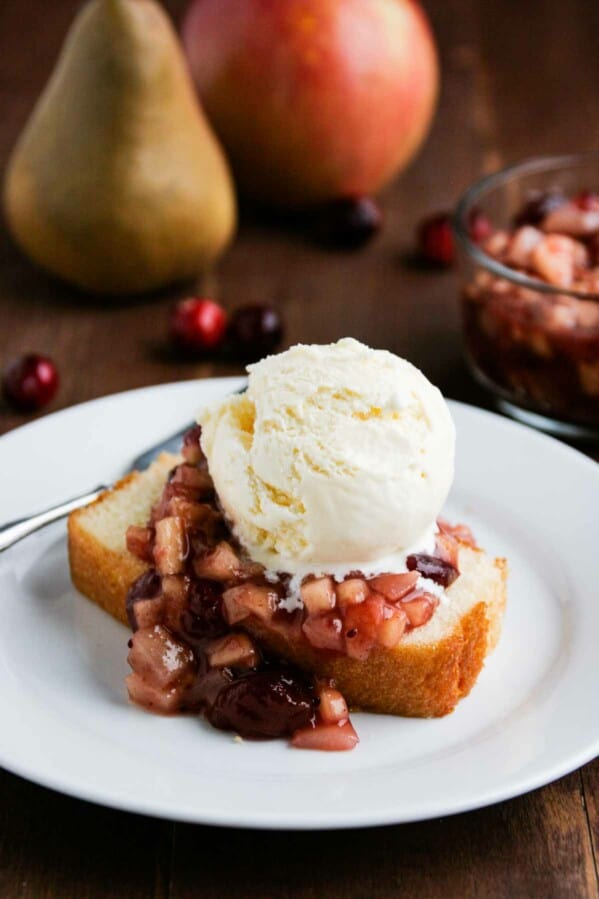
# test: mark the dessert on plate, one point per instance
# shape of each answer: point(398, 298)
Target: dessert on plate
point(291, 564)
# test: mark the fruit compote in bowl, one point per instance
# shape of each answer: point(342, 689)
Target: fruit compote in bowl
point(530, 291)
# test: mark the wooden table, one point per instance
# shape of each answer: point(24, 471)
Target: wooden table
point(519, 78)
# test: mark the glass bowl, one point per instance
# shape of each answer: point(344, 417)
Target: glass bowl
point(534, 345)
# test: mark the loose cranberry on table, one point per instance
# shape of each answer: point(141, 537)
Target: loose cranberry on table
point(255, 331)
point(436, 244)
point(30, 382)
point(348, 223)
point(435, 240)
point(198, 324)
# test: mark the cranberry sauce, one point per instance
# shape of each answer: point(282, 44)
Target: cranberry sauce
point(435, 569)
point(540, 349)
point(270, 703)
point(193, 611)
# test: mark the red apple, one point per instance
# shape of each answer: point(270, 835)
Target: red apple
point(314, 99)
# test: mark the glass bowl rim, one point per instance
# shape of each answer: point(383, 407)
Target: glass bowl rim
point(468, 201)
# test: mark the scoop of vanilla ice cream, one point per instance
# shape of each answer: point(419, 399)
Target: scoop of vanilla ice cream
point(335, 454)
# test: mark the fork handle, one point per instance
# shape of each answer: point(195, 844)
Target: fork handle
point(14, 531)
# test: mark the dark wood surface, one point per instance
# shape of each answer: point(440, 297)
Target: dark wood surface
point(519, 78)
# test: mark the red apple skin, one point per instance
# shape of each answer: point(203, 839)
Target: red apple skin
point(314, 99)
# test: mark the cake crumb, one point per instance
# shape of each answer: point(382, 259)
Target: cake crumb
point(237, 739)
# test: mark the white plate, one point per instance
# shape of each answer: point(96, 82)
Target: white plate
point(533, 716)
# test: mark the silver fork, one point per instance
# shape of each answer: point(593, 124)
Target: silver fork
point(13, 531)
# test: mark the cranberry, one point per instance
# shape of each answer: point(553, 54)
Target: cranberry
point(203, 692)
point(198, 324)
point(255, 331)
point(435, 240)
point(540, 204)
point(348, 223)
point(205, 617)
point(479, 225)
point(30, 382)
point(587, 200)
point(268, 704)
point(432, 567)
point(148, 586)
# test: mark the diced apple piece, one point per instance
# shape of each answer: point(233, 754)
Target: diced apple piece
point(562, 316)
point(522, 245)
point(459, 532)
point(234, 610)
point(153, 698)
point(497, 244)
point(447, 549)
point(392, 628)
point(168, 504)
point(249, 599)
point(581, 255)
point(394, 586)
point(198, 516)
point(139, 542)
point(192, 514)
point(420, 609)
point(351, 592)
point(146, 588)
point(171, 546)
point(318, 595)
point(326, 737)
point(220, 564)
point(333, 707)
point(192, 477)
point(249, 569)
point(587, 312)
point(571, 219)
point(324, 631)
point(261, 601)
point(554, 258)
point(361, 626)
point(223, 564)
point(232, 651)
point(175, 588)
point(159, 658)
point(147, 612)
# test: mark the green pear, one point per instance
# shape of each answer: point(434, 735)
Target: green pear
point(118, 184)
